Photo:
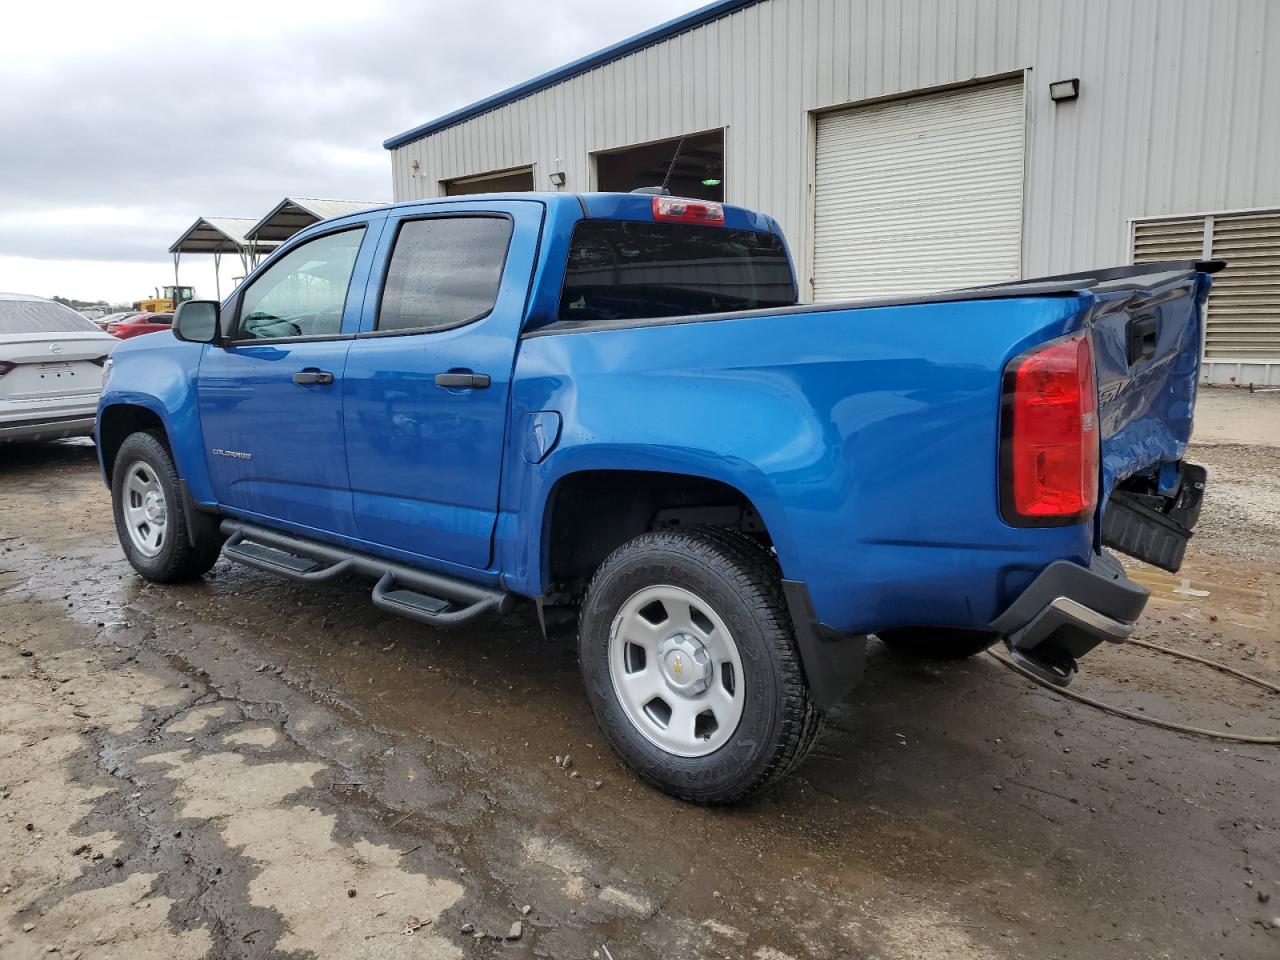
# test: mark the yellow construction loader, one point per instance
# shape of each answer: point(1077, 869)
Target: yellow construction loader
point(166, 303)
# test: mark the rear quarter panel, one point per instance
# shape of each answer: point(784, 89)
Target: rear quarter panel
point(866, 439)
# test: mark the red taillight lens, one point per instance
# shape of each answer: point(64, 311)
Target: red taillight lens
point(1050, 435)
point(688, 211)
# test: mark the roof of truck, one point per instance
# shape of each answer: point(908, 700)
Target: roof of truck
point(607, 206)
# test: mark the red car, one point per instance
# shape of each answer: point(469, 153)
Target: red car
point(139, 323)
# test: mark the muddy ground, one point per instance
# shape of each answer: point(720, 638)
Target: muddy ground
point(246, 767)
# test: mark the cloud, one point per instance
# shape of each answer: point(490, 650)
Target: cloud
point(122, 123)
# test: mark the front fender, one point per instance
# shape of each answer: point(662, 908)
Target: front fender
point(160, 378)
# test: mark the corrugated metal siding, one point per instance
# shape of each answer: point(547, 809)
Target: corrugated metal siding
point(919, 195)
point(1244, 304)
point(1242, 326)
point(1181, 238)
point(1176, 110)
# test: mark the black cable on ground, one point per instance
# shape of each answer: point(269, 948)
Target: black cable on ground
point(1155, 721)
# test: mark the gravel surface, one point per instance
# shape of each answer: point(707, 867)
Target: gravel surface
point(246, 767)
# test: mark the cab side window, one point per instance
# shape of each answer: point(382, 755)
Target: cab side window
point(304, 293)
point(444, 272)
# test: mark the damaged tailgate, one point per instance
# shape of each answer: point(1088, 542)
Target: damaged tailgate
point(1147, 334)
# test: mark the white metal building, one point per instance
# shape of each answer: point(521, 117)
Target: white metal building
point(914, 145)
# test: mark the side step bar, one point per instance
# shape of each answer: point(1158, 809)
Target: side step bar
point(430, 598)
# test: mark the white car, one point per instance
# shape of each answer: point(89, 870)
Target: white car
point(51, 361)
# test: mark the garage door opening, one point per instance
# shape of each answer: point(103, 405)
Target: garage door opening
point(518, 180)
point(918, 195)
point(698, 169)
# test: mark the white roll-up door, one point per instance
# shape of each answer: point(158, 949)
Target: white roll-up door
point(919, 195)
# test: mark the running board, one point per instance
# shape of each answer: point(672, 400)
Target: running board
point(430, 598)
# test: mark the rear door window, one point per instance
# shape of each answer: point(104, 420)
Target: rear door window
point(621, 270)
point(444, 272)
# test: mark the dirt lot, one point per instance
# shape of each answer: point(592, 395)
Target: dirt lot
point(246, 767)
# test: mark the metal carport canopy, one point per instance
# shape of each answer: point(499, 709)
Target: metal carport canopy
point(219, 235)
point(296, 213)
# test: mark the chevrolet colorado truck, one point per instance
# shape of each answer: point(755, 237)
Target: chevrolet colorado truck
point(613, 405)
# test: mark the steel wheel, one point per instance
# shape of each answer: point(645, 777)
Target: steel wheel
point(676, 671)
point(146, 512)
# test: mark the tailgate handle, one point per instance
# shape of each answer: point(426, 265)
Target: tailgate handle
point(1142, 338)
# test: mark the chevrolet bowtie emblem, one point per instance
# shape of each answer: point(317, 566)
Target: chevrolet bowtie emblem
point(679, 668)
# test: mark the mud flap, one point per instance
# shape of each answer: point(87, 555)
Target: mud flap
point(833, 661)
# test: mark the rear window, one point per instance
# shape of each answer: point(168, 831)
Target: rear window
point(620, 270)
point(41, 316)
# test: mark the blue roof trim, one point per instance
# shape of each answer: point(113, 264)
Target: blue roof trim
point(664, 31)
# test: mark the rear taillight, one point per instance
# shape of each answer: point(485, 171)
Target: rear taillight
point(1049, 435)
point(5, 367)
point(682, 210)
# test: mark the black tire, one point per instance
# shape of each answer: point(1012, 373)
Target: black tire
point(742, 582)
point(177, 560)
point(937, 643)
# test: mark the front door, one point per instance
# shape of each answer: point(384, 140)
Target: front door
point(271, 398)
point(427, 380)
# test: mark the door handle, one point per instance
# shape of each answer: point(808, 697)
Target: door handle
point(1143, 334)
point(313, 376)
point(473, 381)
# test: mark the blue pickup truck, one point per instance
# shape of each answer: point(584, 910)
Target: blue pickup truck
point(613, 405)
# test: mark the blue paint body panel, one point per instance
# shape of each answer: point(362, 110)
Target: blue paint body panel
point(425, 461)
point(866, 436)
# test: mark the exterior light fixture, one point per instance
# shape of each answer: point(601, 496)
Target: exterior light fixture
point(1061, 91)
point(558, 178)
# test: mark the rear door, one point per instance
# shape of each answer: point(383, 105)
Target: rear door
point(271, 399)
point(427, 379)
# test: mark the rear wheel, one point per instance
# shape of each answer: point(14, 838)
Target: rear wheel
point(691, 666)
point(937, 643)
point(148, 512)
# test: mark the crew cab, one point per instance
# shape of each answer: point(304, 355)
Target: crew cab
point(614, 406)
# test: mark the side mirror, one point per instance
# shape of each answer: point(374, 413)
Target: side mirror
point(198, 321)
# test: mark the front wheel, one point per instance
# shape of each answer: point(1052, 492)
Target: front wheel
point(148, 513)
point(691, 666)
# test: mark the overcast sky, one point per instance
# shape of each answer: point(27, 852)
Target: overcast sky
point(121, 123)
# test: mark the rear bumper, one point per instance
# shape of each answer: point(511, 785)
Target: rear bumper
point(78, 424)
point(1069, 609)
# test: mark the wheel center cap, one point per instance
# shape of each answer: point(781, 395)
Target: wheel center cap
point(686, 667)
point(153, 507)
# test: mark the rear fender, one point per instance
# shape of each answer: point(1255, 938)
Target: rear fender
point(524, 531)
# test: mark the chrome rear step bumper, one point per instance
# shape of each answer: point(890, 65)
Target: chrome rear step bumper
point(1068, 610)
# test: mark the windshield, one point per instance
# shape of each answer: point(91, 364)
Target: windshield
point(624, 270)
point(41, 316)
